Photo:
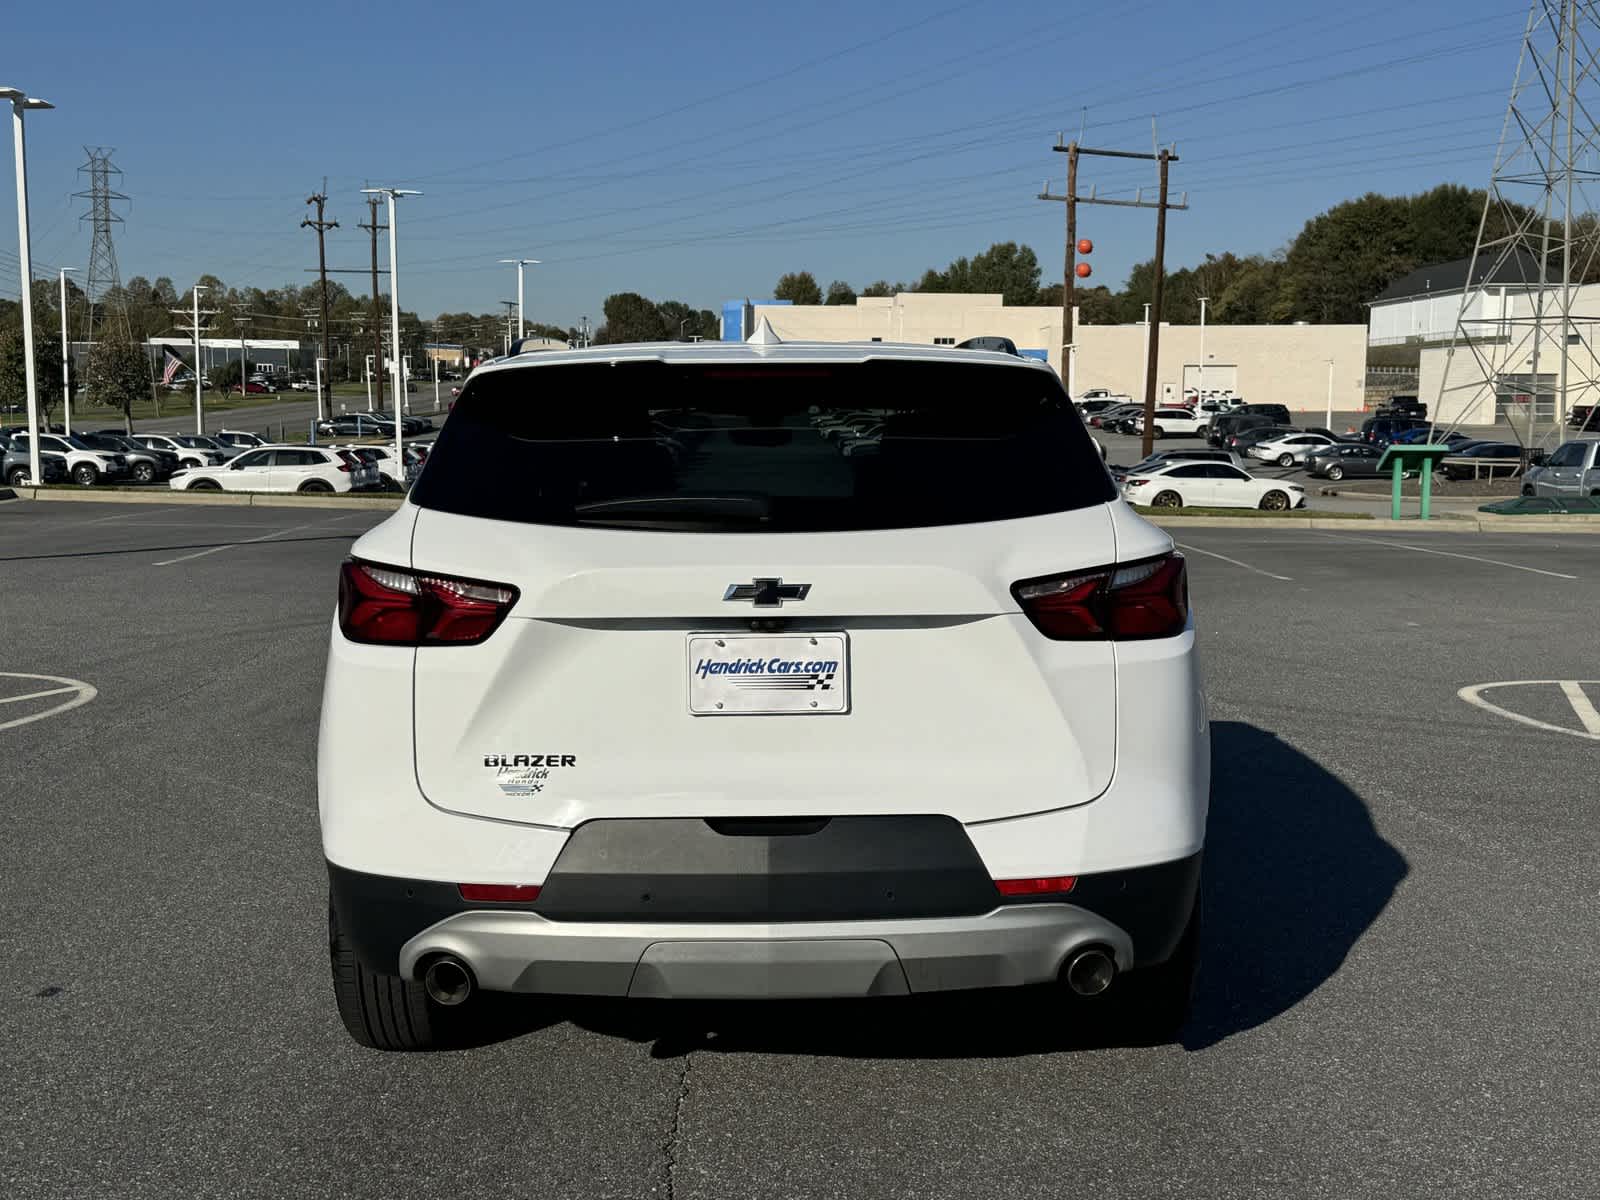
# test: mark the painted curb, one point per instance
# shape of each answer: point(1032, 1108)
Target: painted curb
point(215, 499)
point(1590, 525)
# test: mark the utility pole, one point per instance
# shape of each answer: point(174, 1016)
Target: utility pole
point(510, 304)
point(1069, 283)
point(1200, 388)
point(372, 226)
point(194, 314)
point(321, 226)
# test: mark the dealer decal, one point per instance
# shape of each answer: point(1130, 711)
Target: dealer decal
point(526, 774)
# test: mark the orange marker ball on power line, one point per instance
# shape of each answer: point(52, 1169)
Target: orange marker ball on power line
point(1085, 270)
point(1085, 246)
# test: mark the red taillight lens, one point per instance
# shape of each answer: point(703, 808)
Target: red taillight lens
point(393, 607)
point(1132, 602)
point(499, 893)
point(1048, 885)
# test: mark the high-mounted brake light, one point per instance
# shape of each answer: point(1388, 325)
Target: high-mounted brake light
point(394, 607)
point(499, 893)
point(1128, 602)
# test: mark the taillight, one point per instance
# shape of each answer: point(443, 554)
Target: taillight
point(1048, 885)
point(1129, 602)
point(499, 893)
point(394, 607)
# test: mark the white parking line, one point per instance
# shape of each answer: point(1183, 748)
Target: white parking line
point(1474, 695)
point(1234, 561)
point(1581, 704)
point(266, 537)
point(82, 693)
point(1493, 562)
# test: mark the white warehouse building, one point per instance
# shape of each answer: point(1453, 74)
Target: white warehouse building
point(1295, 365)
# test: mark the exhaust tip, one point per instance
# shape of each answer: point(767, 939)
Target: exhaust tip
point(448, 981)
point(1090, 972)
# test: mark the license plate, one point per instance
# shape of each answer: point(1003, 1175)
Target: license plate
point(744, 674)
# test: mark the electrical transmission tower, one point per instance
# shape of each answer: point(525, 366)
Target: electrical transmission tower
point(106, 302)
point(1523, 347)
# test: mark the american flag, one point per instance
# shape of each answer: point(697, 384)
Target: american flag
point(173, 365)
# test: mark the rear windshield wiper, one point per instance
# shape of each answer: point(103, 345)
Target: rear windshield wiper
point(676, 509)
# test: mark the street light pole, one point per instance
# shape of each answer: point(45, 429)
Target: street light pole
point(521, 262)
point(66, 358)
point(391, 195)
point(199, 392)
point(20, 103)
point(1329, 424)
point(1200, 388)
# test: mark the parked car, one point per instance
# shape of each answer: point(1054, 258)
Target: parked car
point(283, 469)
point(1114, 414)
point(1583, 417)
point(192, 451)
point(1090, 408)
point(1357, 459)
point(238, 440)
point(1241, 440)
point(1483, 460)
point(1291, 449)
point(1572, 469)
point(1210, 485)
point(252, 388)
point(1101, 395)
point(144, 464)
point(302, 385)
point(15, 467)
point(1246, 416)
point(85, 465)
point(355, 425)
point(381, 456)
point(694, 798)
point(1173, 422)
point(1380, 431)
point(1173, 456)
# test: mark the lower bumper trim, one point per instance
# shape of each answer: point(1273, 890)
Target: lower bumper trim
point(1010, 946)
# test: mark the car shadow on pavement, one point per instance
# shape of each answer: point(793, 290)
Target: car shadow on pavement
point(1295, 874)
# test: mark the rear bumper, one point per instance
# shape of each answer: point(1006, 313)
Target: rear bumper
point(396, 925)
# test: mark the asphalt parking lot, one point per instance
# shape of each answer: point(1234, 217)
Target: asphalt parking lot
point(1399, 981)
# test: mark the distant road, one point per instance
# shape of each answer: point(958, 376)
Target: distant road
point(294, 411)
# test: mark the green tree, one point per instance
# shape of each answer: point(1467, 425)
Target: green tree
point(840, 292)
point(631, 318)
point(1005, 267)
point(798, 287)
point(14, 373)
point(881, 288)
point(119, 375)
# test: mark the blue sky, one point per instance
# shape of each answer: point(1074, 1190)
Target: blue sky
point(698, 151)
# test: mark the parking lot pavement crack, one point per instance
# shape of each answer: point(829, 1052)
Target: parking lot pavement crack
point(669, 1147)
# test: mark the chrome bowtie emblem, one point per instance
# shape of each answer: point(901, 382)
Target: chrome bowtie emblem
point(766, 593)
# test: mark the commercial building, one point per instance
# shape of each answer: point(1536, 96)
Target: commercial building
point(1296, 365)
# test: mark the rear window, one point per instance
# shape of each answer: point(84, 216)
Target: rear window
point(781, 447)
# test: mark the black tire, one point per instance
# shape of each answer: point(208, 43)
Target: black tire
point(1286, 460)
point(1527, 489)
point(204, 485)
point(1157, 433)
point(1153, 1002)
point(18, 477)
point(1167, 499)
point(144, 472)
point(84, 475)
point(1335, 473)
point(1275, 501)
point(383, 1012)
point(315, 485)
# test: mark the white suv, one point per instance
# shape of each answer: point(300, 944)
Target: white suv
point(648, 690)
point(281, 469)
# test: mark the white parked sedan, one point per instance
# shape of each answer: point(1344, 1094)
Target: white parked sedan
point(1176, 422)
point(282, 469)
point(1209, 485)
point(1290, 450)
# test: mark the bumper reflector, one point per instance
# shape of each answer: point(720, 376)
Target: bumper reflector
point(499, 893)
point(1051, 885)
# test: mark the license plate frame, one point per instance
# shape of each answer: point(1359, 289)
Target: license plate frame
point(768, 674)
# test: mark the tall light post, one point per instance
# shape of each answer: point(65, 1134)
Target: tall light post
point(1200, 388)
point(199, 392)
point(1329, 425)
point(391, 195)
point(521, 262)
point(66, 357)
point(21, 102)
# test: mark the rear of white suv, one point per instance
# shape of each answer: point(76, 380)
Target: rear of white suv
point(650, 690)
